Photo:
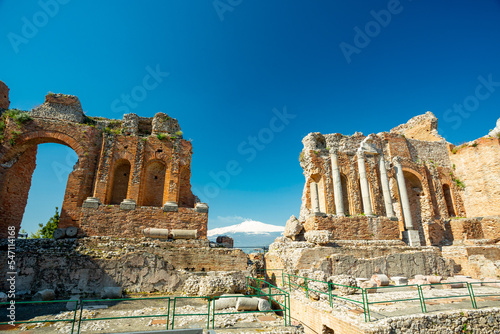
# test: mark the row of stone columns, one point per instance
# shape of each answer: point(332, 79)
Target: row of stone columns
point(365, 189)
point(410, 234)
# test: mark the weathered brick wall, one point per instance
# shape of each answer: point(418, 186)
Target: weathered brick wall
point(478, 167)
point(355, 227)
point(110, 220)
point(114, 163)
point(4, 96)
point(14, 189)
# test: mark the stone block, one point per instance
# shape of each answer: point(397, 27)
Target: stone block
point(400, 280)
point(60, 106)
point(162, 123)
point(59, 233)
point(201, 207)
point(4, 96)
point(130, 125)
point(292, 227)
point(370, 286)
point(433, 279)
point(247, 304)
point(111, 292)
point(44, 295)
point(127, 204)
point(318, 237)
point(264, 305)
point(91, 203)
point(71, 231)
point(170, 207)
point(184, 234)
point(380, 279)
point(412, 237)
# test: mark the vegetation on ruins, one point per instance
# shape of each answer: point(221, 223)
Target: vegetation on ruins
point(47, 231)
point(161, 136)
point(18, 116)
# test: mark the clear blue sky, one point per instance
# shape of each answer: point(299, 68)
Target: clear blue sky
point(231, 62)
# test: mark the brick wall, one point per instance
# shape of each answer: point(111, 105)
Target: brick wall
point(356, 227)
point(110, 220)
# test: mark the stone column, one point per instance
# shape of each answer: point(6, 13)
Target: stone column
point(403, 194)
point(314, 197)
point(365, 187)
point(384, 180)
point(337, 185)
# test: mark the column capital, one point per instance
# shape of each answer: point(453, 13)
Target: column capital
point(360, 154)
point(333, 151)
point(397, 160)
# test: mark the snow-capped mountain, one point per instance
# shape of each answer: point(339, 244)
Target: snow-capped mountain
point(249, 233)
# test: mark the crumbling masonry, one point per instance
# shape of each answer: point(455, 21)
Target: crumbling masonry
point(131, 174)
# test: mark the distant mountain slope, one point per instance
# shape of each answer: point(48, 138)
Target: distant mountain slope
point(249, 233)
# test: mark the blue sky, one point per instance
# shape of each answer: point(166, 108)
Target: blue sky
point(233, 65)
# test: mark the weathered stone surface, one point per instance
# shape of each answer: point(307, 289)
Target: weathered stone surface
point(380, 279)
point(170, 207)
point(400, 280)
point(345, 280)
point(493, 133)
point(215, 284)
point(62, 107)
point(162, 123)
point(370, 286)
point(359, 259)
point(127, 204)
point(318, 237)
point(292, 227)
point(264, 305)
point(76, 266)
point(44, 295)
point(421, 127)
point(201, 207)
point(111, 292)
point(247, 304)
point(4, 96)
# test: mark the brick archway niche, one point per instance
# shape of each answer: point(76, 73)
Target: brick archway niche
point(18, 164)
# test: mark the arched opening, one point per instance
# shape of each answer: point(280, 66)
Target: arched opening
point(345, 194)
point(154, 184)
point(416, 196)
point(33, 182)
point(121, 176)
point(449, 200)
point(54, 163)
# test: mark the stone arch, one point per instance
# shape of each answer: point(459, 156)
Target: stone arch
point(345, 194)
point(153, 184)
point(119, 181)
point(17, 163)
point(448, 198)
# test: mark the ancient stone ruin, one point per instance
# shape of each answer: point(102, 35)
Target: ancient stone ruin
point(131, 174)
point(385, 199)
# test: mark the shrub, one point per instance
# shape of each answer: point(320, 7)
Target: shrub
point(161, 136)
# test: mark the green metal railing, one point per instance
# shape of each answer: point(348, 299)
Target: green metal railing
point(262, 288)
point(365, 303)
point(87, 301)
point(271, 296)
point(72, 320)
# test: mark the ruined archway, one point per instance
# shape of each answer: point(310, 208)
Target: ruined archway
point(119, 182)
point(18, 161)
point(153, 184)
